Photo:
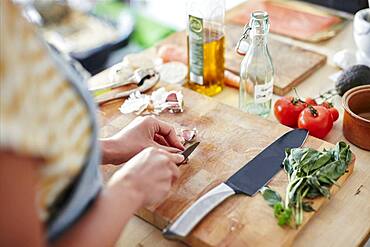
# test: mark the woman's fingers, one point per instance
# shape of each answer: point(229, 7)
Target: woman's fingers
point(160, 140)
point(168, 148)
point(152, 172)
point(171, 161)
point(175, 172)
point(173, 157)
point(176, 157)
point(169, 134)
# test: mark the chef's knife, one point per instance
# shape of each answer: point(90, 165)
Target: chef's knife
point(248, 180)
point(188, 151)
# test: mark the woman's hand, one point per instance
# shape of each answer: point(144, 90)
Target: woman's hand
point(149, 174)
point(141, 133)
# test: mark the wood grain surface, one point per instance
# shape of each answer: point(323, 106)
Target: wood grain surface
point(229, 138)
point(343, 222)
point(292, 64)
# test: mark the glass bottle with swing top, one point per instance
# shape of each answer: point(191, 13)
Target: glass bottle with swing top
point(256, 71)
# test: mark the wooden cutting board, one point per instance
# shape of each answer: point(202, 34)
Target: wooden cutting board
point(229, 138)
point(294, 19)
point(292, 64)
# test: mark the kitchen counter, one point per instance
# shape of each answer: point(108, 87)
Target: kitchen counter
point(345, 220)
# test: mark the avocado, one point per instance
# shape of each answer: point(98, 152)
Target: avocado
point(354, 76)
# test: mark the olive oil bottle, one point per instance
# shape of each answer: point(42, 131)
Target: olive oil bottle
point(206, 46)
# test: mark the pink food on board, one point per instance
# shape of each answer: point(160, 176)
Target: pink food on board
point(170, 53)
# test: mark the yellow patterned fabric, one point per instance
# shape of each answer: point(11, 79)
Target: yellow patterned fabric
point(41, 114)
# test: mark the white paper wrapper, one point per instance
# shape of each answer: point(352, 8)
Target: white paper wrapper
point(135, 103)
point(344, 59)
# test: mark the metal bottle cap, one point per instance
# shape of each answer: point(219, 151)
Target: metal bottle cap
point(258, 18)
point(242, 45)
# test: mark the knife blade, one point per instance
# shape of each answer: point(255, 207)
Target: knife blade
point(189, 151)
point(247, 180)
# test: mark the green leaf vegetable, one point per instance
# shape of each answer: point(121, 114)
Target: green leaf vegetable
point(310, 173)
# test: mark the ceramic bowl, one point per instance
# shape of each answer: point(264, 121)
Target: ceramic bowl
point(356, 120)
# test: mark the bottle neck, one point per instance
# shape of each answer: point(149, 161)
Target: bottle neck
point(259, 32)
point(259, 41)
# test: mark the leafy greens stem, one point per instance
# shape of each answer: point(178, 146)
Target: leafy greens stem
point(310, 175)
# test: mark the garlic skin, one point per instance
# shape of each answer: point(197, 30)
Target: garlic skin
point(160, 100)
point(135, 103)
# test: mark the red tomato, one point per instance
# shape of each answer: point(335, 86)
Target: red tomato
point(317, 120)
point(333, 111)
point(287, 110)
point(310, 101)
point(326, 104)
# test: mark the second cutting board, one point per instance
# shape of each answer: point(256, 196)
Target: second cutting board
point(292, 64)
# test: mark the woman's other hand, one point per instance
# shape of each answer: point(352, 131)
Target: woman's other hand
point(141, 133)
point(150, 174)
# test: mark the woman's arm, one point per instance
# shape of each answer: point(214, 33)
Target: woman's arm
point(145, 179)
point(105, 220)
point(19, 224)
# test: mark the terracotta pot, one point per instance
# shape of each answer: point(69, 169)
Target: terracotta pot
point(356, 120)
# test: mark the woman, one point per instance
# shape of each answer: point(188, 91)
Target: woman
point(50, 185)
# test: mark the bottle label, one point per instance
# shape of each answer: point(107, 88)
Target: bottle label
point(263, 93)
point(196, 49)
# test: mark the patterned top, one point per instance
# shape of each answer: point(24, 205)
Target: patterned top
point(41, 114)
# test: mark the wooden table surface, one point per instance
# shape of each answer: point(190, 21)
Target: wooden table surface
point(345, 220)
